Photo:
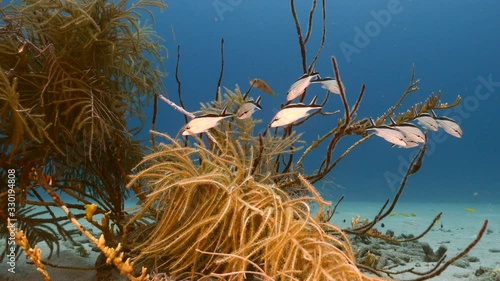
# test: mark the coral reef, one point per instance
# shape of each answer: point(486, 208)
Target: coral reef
point(222, 209)
point(71, 74)
point(218, 220)
point(233, 206)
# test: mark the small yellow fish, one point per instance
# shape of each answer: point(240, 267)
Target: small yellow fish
point(393, 214)
point(261, 85)
point(404, 214)
point(470, 210)
point(413, 214)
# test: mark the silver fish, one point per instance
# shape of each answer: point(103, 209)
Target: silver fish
point(409, 144)
point(248, 108)
point(450, 126)
point(329, 84)
point(425, 120)
point(299, 86)
point(390, 134)
point(202, 123)
point(293, 112)
point(410, 131)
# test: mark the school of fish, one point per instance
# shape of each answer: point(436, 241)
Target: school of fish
point(407, 135)
point(404, 135)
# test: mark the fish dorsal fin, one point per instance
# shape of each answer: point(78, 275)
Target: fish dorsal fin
point(324, 79)
point(447, 119)
point(305, 75)
point(392, 121)
point(302, 77)
point(257, 101)
point(372, 123)
point(313, 102)
point(293, 105)
point(433, 114)
point(224, 111)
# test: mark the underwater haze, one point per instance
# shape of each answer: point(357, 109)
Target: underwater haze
point(454, 46)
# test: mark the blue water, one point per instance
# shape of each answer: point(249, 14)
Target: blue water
point(453, 44)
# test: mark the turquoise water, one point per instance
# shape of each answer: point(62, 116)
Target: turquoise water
point(453, 45)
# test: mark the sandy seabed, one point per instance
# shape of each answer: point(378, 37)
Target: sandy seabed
point(455, 230)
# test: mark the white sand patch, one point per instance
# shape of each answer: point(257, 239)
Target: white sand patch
point(459, 228)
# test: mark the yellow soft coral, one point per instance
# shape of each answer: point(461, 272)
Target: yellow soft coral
point(35, 254)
